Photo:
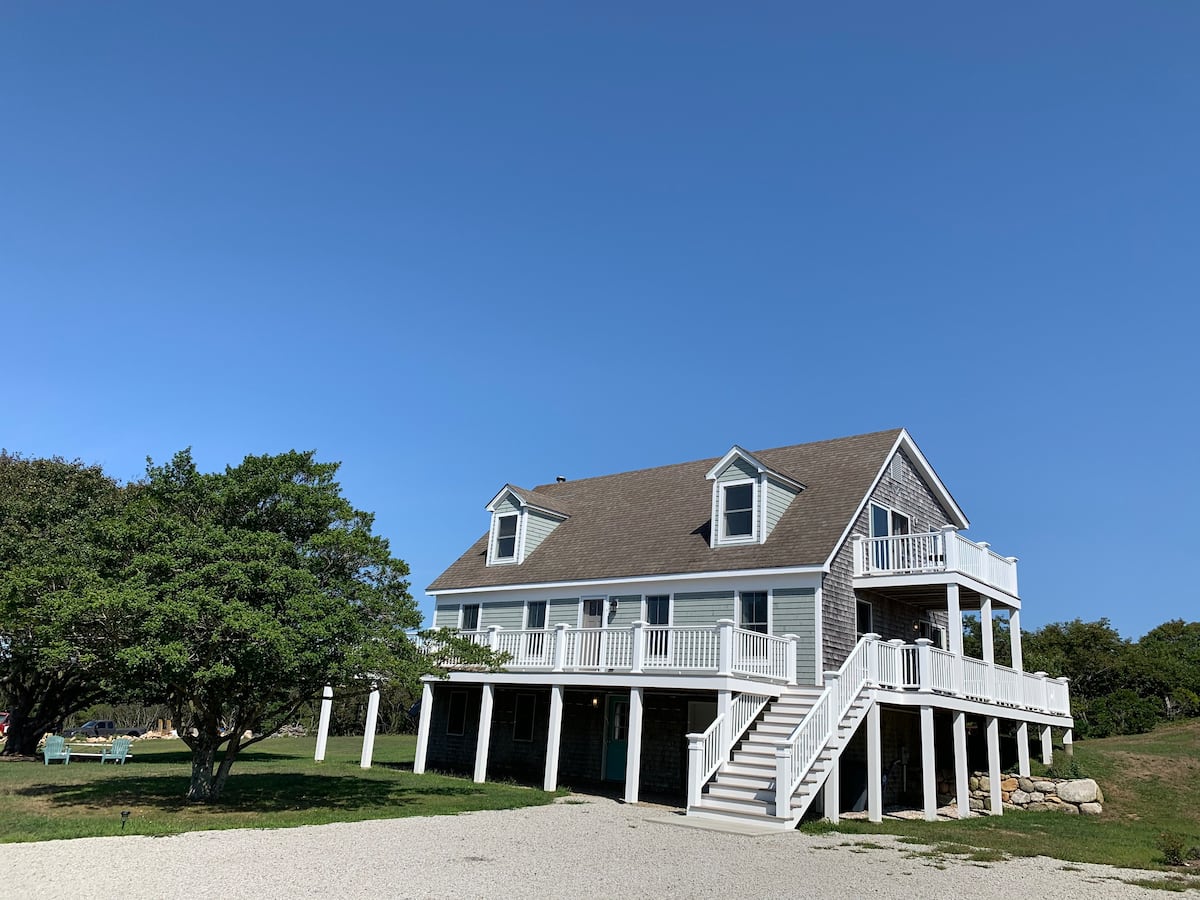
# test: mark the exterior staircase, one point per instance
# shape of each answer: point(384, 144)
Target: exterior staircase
point(743, 789)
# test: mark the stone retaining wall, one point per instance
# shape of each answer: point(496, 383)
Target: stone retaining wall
point(1074, 796)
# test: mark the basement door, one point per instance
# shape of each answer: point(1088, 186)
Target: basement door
point(616, 737)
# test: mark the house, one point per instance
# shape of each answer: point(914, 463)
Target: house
point(717, 629)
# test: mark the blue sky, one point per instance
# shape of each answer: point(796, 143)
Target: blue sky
point(454, 245)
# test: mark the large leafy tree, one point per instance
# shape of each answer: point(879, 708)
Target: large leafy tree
point(57, 594)
point(251, 589)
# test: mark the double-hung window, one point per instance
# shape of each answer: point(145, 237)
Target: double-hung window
point(535, 638)
point(737, 513)
point(506, 537)
point(754, 611)
point(658, 613)
point(470, 617)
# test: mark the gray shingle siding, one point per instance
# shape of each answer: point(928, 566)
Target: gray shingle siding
point(903, 489)
point(702, 608)
point(537, 528)
point(794, 612)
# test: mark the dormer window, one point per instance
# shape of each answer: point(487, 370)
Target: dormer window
point(738, 504)
point(749, 498)
point(521, 520)
point(506, 537)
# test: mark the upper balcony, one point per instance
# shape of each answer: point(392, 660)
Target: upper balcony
point(927, 559)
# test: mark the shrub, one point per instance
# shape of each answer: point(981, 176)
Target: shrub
point(1172, 846)
point(1065, 766)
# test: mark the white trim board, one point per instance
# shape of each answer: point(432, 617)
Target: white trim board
point(724, 574)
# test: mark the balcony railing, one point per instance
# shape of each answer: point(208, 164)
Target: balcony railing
point(938, 551)
point(721, 649)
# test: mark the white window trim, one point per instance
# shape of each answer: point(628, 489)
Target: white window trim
point(518, 556)
point(770, 608)
point(870, 606)
point(462, 611)
point(525, 626)
point(670, 609)
point(603, 613)
point(756, 511)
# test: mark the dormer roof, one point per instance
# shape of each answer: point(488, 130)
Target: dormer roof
point(736, 453)
point(554, 506)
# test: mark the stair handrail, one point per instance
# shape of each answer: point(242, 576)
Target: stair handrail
point(795, 755)
point(708, 751)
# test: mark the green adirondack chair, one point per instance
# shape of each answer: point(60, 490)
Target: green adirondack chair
point(117, 752)
point(56, 748)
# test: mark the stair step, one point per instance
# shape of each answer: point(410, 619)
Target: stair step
point(701, 812)
point(740, 794)
point(757, 808)
point(763, 779)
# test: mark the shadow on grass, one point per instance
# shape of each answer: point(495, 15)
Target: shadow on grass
point(259, 793)
point(184, 757)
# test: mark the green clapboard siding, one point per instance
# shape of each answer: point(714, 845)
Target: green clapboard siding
point(795, 612)
point(779, 497)
point(738, 470)
point(446, 615)
point(563, 609)
point(507, 506)
point(629, 610)
point(702, 608)
point(537, 529)
point(505, 613)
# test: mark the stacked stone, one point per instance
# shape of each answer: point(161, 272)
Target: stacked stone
point(1073, 796)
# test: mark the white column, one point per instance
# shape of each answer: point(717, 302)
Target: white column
point(695, 768)
point(961, 772)
point(874, 766)
point(989, 650)
point(485, 732)
point(954, 623)
point(724, 704)
point(872, 659)
point(368, 745)
point(637, 647)
point(924, 665)
point(1047, 746)
point(833, 792)
point(793, 643)
point(1068, 743)
point(560, 646)
point(323, 722)
point(633, 747)
point(553, 738)
point(1014, 630)
point(426, 716)
point(928, 763)
point(993, 748)
point(1023, 749)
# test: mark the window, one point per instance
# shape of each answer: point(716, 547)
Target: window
point(935, 633)
point(535, 644)
point(523, 716)
point(535, 614)
point(456, 718)
point(738, 516)
point(754, 611)
point(470, 617)
point(506, 537)
point(866, 625)
point(658, 612)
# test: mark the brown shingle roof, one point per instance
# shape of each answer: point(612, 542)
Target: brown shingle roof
point(657, 521)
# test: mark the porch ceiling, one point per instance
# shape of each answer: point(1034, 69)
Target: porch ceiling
point(928, 596)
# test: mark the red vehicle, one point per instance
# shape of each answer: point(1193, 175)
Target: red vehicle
point(3, 723)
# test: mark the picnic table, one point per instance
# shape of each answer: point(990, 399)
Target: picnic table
point(96, 749)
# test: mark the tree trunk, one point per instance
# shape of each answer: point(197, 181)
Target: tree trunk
point(203, 787)
point(22, 737)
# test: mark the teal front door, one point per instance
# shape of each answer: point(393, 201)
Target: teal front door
point(616, 737)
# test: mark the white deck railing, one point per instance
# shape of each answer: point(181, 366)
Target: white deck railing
point(708, 751)
point(938, 551)
point(721, 649)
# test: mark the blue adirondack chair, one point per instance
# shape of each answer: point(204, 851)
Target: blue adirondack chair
point(117, 752)
point(56, 748)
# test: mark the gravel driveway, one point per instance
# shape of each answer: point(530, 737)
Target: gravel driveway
point(597, 848)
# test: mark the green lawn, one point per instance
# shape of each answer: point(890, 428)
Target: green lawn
point(274, 784)
point(1151, 784)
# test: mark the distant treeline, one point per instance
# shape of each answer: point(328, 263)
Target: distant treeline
point(1118, 686)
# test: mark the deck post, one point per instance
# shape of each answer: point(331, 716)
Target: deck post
point(783, 780)
point(993, 750)
point(833, 792)
point(725, 646)
point(695, 768)
point(560, 646)
point(861, 564)
point(874, 766)
point(1047, 746)
point(484, 739)
point(633, 747)
point(323, 722)
point(1068, 743)
point(1023, 749)
point(872, 659)
point(961, 772)
point(368, 744)
point(1014, 630)
point(724, 704)
point(924, 665)
point(553, 738)
point(928, 765)
point(954, 636)
point(790, 664)
point(989, 649)
point(1044, 693)
point(637, 649)
point(423, 721)
point(493, 637)
point(950, 548)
